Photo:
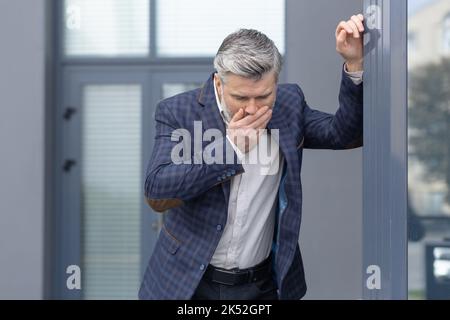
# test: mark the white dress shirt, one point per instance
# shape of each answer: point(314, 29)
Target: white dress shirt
point(248, 234)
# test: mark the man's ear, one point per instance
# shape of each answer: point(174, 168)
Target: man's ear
point(219, 88)
point(218, 82)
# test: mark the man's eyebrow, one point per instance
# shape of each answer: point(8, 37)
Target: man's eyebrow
point(237, 96)
point(265, 95)
point(245, 97)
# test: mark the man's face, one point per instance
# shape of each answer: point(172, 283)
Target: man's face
point(250, 95)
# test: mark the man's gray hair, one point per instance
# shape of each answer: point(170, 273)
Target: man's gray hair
point(248, 53)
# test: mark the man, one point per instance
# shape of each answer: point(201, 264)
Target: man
point(231, 228)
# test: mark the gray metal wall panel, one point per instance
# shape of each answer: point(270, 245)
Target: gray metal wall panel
point(22, 118)
point(385, 150)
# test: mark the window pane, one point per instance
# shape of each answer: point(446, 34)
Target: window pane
point(111, 191)
point(106, 28)
point(429, 151)
point(172, 89)
point(198, 27)
point(446, 33)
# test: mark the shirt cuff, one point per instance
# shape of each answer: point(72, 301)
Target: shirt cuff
point(239, 153)
point(356, 77)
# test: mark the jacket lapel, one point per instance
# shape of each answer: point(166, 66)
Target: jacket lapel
point(212, 119)
point(286, 140)
point(211, 115)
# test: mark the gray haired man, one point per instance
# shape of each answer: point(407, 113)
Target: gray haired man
point(229, 231)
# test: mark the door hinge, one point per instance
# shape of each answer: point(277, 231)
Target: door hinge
point(69, 112)
point(68, 165)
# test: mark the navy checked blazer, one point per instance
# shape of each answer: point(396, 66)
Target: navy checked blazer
point(194, 197)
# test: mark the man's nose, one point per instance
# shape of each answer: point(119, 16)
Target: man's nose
point(251, 108)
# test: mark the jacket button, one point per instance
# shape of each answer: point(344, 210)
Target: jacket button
point(219, 178)
point(202, 267)
point(219, 227)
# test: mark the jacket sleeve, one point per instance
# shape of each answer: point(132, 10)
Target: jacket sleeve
point(169, 184)
point(343, 130)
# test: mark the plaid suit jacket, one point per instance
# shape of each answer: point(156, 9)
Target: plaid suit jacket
point(194, 197)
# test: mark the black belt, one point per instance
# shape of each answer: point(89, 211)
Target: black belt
point(239, 276)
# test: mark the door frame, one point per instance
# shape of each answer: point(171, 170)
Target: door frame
point(67, 197)
point(385, 157)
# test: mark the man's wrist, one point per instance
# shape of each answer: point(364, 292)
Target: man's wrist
point(354, 66)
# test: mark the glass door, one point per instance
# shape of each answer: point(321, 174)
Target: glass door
point(100, 213)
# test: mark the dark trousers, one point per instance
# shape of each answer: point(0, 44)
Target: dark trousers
point(265, 289)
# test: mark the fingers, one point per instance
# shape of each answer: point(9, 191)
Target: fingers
point(264, 126)
point(262, 121)
point(342, 37)
point(248, 120)
point(343, 26)
point(354, 26)
point(238, 115)
point(358, 22)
